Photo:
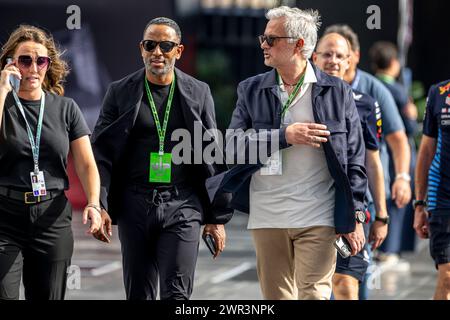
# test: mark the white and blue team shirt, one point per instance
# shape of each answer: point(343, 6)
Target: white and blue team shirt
point(437, 125)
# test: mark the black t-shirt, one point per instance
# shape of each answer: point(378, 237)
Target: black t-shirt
point(144, 138)
point(63, 122)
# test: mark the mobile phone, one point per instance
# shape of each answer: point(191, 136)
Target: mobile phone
point(106, 235)
point(343, 247)
point(13, 80)
point(210, 243)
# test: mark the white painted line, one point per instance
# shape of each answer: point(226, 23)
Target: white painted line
point(107, 268)
point(232, 272)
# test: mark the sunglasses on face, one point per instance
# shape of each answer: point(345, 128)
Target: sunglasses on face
point(165, 46)
point(329, 56)
point(25, 62)
point(270, 40)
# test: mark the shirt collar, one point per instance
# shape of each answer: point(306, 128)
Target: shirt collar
point(310, 76)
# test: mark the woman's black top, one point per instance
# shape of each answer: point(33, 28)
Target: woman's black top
point(63, 122)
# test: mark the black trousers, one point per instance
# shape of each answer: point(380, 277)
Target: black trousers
point(35, 240)
point(159, 234)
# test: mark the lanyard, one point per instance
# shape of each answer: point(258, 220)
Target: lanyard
point(385, 78)
point(161, 131)
point(293, 94)
point(34, 143)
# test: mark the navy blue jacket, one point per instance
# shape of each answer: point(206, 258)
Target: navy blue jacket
point(259, 107)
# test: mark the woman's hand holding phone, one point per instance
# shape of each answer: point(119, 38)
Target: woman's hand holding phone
point(10, 76)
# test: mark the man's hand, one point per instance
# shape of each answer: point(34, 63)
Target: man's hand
point(310, 134)
point(93, 215)
point(219, 235)
point(356, 239)
point(401, 192)
point(421, 222)
point(105, 231)
point(378, 233)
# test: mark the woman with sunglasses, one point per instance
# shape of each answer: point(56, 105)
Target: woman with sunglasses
point(38, 128)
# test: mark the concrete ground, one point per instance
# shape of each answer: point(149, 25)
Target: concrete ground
point(96, 271)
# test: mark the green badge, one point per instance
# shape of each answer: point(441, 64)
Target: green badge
point(160, 167)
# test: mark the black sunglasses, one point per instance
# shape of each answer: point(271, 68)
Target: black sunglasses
point(165, 46)
point(25, 62)
point(270, 40)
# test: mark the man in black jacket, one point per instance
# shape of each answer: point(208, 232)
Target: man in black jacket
point(158, 201)
point(311, 190)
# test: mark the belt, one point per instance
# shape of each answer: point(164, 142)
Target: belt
point(28, 197)
point(174, 189)
point(159, 194)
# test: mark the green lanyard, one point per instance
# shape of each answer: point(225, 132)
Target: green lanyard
point(34, 143)
point(161, 131)
point(385, 78)
point(293, 94)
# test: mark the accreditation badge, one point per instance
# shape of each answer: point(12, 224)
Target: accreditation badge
point(38, 183)
point(273, 167)
point(160, 167)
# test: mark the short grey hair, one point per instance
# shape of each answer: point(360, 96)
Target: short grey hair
point(299, 24)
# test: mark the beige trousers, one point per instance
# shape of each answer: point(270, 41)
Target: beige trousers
point(295, 263)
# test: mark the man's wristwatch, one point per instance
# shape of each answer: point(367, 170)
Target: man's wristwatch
point(404, 176)
point(361, 216)
point(417, 203)
point(385, 220)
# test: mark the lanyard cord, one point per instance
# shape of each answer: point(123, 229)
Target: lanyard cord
point(34, 143)
point(161, 131)
point(293, 94)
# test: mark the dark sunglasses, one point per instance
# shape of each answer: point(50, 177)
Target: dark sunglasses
point(165, 46)
point(270, 40)
point(25, 62)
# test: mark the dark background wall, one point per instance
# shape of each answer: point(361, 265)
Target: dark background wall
point(430, 51)
point(116, 27)
point(234, 31)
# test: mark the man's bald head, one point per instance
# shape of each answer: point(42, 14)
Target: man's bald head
point(335, 38)
point(332, 53)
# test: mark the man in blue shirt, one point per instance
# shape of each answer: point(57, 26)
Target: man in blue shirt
point(434, 175)
point(386, 67)
point(398, 192)
point(332, 56)
point(393, 128)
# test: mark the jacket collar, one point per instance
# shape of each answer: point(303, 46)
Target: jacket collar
point(190, 104)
